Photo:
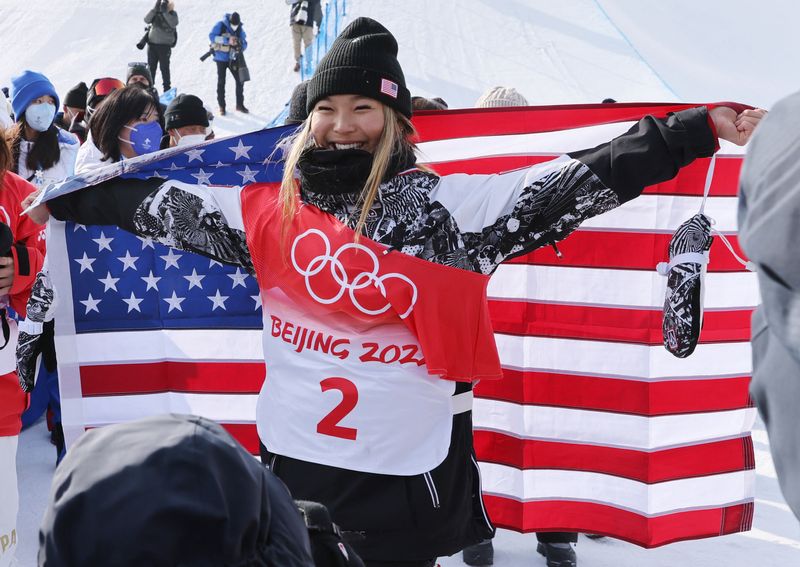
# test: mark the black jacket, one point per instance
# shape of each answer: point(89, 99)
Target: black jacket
point(313, 12)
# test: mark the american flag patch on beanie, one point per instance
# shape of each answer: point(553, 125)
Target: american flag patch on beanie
point(389, 88)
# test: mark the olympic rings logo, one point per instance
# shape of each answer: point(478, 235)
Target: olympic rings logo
point(339, 274)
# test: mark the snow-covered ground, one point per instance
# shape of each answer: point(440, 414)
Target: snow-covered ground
point(553, 52)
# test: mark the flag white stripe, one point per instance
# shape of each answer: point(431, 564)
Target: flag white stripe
point(609, 429)
point(225, 408)
point(646, 499)
point(621, 359)
point(190, 345)
point(665, 213)
point(543, 143)
point(615, 288)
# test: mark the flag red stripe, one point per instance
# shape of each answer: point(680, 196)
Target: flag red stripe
point(624, 250)
point(471, 122)
point(690, 182)
point(568, 516)
point(170, 376)
point(640, 326)
point(244, 433)
point(704, 459)
point(637, 397)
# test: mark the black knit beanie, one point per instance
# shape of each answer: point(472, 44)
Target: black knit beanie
point(362, 61)
point(76, 96)
point(185, 110)
point(297, 105)
point(138, 69)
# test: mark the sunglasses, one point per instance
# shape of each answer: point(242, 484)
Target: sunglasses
point(107, 85)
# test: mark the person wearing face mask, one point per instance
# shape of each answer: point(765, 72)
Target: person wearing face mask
point(123, 126)
point(227, 36)
point(71, 117)
point(42, 152)
point(186, 121)
point(396, 466)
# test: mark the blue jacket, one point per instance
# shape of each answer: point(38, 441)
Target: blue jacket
point(220, 38)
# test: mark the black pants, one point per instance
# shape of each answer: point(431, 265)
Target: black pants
point(159, 55)
point(222, 67)
point(430, 563)
point(557, 537)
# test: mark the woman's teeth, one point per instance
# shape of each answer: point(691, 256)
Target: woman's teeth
point(347, 146)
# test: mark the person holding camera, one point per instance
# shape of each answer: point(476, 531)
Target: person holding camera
point(303, 14)
point(228, 41)
point(161, 37)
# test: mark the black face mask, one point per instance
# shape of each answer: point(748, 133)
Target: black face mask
point(334, 172)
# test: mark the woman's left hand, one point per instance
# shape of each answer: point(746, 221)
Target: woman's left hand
point(736, 128)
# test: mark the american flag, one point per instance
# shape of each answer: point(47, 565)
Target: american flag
point(389, 88)
point(595, 426)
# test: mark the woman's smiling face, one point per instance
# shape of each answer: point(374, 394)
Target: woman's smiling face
point(347, 122)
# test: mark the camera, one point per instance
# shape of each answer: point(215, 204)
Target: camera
point(143, 41)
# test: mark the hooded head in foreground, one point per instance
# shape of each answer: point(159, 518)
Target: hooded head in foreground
point(168, 491)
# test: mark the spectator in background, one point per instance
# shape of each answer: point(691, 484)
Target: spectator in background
point(227, 37)
point(168, 490)
point(5, 112)
point(161, 38)
point(303, 14)
point(500, 97)
point(71, 117)
point(138, 75)
point(186, 121)
point(42, 153)
point(123, 126)
point(297, 105)
point(89, 157)
point(18, 264)
point(422, 103)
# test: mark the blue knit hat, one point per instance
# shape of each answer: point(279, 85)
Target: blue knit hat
point(27, 87)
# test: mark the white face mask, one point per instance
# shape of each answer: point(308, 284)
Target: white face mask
point(190, 139)
point(40, 116)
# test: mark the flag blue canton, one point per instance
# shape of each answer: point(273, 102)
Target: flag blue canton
point(124, 282)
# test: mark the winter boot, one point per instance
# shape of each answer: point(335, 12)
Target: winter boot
point(479, 555)
point(242, 108)
point(222, 111)
point(558, 554)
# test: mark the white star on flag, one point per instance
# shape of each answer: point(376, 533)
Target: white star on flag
point(202, 177)
point(194, 279)
point(174, 302)
point(85, 262)
point(219, 164)
point(103, 242)
point(133, 303)
point(195, 155)
point(171, 259)
point(147, 242)
point(238, 278)
point(248, 174)
point(109, 282)
point(91, 304)
point(79, 226)
point(218, 300)
point(128, 261)
point(151, 281)
point(157, 174)
point(213, 263)
point(266, 160)
point(240, 150)
point(175, 167)
point(257, 299)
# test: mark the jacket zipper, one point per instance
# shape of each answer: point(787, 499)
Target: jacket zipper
point(432, 489)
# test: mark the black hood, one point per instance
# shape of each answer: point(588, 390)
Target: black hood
point(171, 491)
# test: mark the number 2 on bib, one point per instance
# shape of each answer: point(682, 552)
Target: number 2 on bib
point(329, 425)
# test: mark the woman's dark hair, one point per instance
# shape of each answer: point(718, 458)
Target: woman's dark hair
point(116, 110)
point(44, 152)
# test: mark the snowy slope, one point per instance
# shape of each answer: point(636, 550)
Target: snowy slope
point(553, 52)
